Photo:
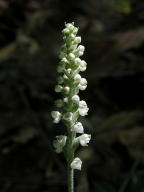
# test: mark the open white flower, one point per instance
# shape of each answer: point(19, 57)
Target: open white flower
point(77, 78)
point(78, 127)
point(83, 65)
point(76, 164)
point(84, 139)
point(59, 143)
point(56, 115)
point(83, 109)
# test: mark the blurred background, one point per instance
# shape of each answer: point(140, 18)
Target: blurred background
point(30, 40)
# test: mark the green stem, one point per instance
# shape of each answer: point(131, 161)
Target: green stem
point(70, 178)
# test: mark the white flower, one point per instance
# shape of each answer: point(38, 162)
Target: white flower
point(77, 40)
point(56, 115)
point(83, 82)
point(78, 127)
point(84, 139)
point(75, 30)
point(59, 143)
point(58, 88)
point(72, 36)
point(83, 109)
point(69, 26)
point(64, 60)
point(65, 100)
point(59, 102)
point(77, 78)
point(66, 89)
point(66, 31)
point(81, 48)
point(82, 65)
point(69, 70)
point(81, 87)
point(65, 77)
point(68, 116)
point(71, 56)
point(76, 163)
point(77, 61)
point(76, 99)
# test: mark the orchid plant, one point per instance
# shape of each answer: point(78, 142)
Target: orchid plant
point(68, 84)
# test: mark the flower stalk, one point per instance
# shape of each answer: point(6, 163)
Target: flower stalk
point(70, 105)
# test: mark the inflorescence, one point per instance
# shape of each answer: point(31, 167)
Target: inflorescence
point(68, 84)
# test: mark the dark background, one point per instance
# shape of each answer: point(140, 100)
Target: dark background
point(30, 40)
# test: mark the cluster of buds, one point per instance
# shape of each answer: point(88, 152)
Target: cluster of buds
point(69, 84)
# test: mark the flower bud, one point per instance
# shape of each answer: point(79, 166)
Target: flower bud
point(59, 102)
point(59, 143)
point(81, 87)
point(56, 115)
point(76, 99)
point(81, 48)
point(69, 26)
point(69, 70)
point(84, 139)
point(77, 78)
point(83, 82)
point(65, 100)
point(60, 80)
point(64, 60)
point(77, 61)
point(66, 90)
point(66, 31)
point(76, 164)
point(68, 116)
point(78, 127)
point(77, 40)
point(58, 88)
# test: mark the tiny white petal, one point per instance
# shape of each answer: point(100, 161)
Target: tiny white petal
point(78, 127)
point(77, 78)
point(76, 164)
point(84, 139)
